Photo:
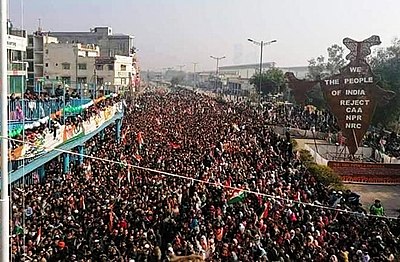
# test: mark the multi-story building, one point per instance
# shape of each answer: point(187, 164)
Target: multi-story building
point(118, 48)
point(110, 44)
point(17, 66)
point(35, 57)
point(70, 63)
point(115, 73)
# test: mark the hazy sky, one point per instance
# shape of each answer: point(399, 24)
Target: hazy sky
point(178, 32)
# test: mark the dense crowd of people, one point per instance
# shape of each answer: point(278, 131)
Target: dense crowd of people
point(301, 117)
point(112, 211)
point(310, 118)
point(384, 141)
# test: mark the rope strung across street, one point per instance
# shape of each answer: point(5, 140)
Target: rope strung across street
point(210, 183)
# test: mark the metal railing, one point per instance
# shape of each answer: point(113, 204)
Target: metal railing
point(20, 109)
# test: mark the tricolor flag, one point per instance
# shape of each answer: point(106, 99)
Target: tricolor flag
point(264, 210)
point(82, 204)
point(139, 139)
point(238, 196)
point(129, 175)
point(174, 145)
point(39, 236)
point(219, 233)
point(138, 157)
point(111, 217)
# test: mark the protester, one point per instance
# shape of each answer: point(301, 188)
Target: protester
point(104, 211)
point(377, 208)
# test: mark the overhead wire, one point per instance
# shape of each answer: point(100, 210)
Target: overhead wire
point(268, 196)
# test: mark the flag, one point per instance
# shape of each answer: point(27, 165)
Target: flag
point(123, 138)
point(129, 175)
point(227, 186)
point(219, 233)
point(138, 157)
point(237, 196)
point(111, 217)
point(174, 145)
point(39, 236)
point(82, 204)
point(264, 210)
point(139, 139)
point(19, 230)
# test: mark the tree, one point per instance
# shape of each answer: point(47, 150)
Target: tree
point(273, 80)
point(318, 68)
point(386, 66)
point(335, 59)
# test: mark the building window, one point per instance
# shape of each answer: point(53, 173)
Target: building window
point(82, 66)
point(82, 80)
point(66, 66)
point(123, 67)
point(123, 81)
point(47, 64)
point(66, 79)
point(99, 67)
point(47, 51)
point(100, 81)
point(110, 67)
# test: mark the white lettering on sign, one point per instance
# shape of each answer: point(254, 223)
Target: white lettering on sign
point(332, 82)
point(355, 92)
point(353, 117)
point(359, 80)
point(336, 92)
point(357, 110)
point(353, 126)
point(356, 102)
point(355, 69)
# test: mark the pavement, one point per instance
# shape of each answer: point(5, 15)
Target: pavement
point(389, 195)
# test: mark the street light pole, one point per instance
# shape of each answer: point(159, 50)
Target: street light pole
point(261, 44)
point(4, 201)
point(194, 74)
point(180, 67)
point(217, 70)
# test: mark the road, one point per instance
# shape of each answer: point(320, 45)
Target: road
point(387, 194)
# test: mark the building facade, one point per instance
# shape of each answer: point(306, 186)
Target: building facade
point(71, 64)
point(110, 44)
point(52, 59)
point(35, 58)
point(115, 73)
point(17, 65)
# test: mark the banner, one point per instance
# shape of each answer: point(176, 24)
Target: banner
point(362, 172)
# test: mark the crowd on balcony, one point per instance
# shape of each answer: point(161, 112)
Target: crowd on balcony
point(52, 126)
point(32, 105)
point(113, 211)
